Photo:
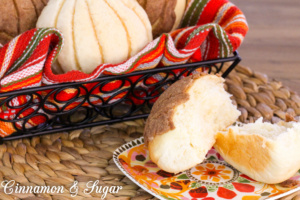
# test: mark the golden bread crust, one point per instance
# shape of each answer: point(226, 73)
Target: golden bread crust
point(260, 156)
point(249, 151)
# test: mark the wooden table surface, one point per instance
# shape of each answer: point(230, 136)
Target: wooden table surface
point(272, 45)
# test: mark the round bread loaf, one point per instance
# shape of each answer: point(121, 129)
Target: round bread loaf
point(269, 153)
point(97, 31)
point(183, 122)
point(164, 15)
point(18, 16)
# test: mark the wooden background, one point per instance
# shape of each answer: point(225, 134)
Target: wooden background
point(272, 45)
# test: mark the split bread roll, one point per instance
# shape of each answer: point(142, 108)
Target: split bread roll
point(269, 153)
point(183, 122)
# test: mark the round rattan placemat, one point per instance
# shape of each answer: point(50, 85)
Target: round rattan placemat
point(86, 155)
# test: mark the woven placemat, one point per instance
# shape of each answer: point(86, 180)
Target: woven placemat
point(86, 155)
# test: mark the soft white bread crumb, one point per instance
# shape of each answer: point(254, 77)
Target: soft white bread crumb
point(197, 120)
point(266, 152)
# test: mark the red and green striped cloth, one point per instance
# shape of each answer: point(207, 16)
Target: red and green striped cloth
point(211, 29)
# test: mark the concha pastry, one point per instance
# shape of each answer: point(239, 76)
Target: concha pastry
point(97, 31)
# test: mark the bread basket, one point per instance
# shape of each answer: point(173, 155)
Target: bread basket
point(33, 104)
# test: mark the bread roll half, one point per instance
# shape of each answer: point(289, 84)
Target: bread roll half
point(266, 152)
point(184, 120)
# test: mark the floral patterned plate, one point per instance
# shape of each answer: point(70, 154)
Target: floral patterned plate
point(211, 180)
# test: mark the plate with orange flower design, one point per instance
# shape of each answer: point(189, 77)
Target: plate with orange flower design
point(212, 179)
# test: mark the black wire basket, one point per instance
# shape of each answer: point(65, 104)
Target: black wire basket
point(107, 112)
